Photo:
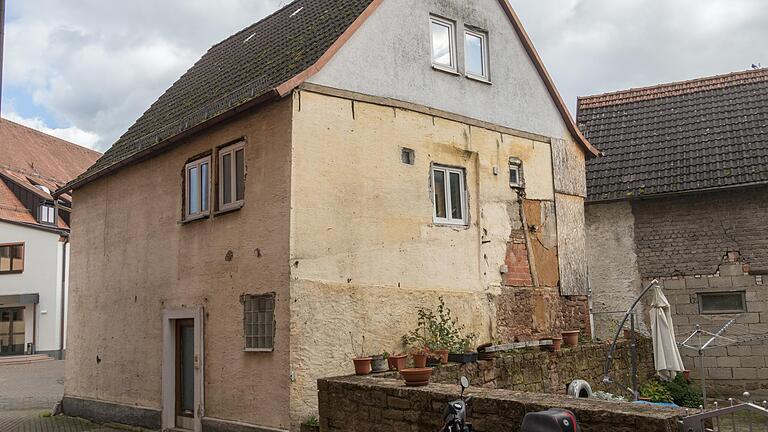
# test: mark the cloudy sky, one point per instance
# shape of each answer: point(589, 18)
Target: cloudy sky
point(84, 70)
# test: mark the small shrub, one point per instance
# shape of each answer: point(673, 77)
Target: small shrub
point(312, 421)
point(683, 393)
point(656, 391)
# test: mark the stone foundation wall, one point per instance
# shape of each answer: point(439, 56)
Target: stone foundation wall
point(539, 371)
point(527, 313)
point(362, 404)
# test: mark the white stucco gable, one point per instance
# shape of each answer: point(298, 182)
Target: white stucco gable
point(390, 56)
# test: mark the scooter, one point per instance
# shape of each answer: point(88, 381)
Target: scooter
point(455, 416)
point(552, 420)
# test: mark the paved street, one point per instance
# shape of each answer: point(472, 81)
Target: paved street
point(27, 396)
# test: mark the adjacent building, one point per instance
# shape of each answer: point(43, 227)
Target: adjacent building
point(681, 195)
point(310, 182)
point(34, 238)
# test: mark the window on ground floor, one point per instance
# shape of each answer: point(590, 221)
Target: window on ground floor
point(449, 195)
point(259, 322)
point(11, 258)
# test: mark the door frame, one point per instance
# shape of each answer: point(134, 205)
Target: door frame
point(169, 365)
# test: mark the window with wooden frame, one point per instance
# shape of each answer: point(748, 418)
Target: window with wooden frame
point(259, 322)
point(231, 176)
point(449, 195)
point(197, 186)
point(443, 43)
point(476, 55)
point(11, 258)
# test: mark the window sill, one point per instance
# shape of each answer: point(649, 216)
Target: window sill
point(195, 218)
point(230, 209)
point(259, 350)
point(479, 79)
point(11, 272)
point(445, 69)
point(450, 224)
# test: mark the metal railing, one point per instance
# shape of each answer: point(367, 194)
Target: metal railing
point(742, 417)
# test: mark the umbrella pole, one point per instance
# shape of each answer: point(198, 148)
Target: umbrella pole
point(703, 371)
point(633, 348)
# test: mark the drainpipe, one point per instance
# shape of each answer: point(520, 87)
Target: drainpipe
point(63, 293)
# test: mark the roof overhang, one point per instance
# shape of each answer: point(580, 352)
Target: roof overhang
point(288, 86)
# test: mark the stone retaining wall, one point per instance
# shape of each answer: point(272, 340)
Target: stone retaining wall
point(362, 404)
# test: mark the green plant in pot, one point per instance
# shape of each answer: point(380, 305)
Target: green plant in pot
point(438, 331)
point(361, 361)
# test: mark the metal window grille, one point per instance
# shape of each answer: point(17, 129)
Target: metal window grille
point(259, 321)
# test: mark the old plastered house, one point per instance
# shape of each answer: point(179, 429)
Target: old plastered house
point(313, 179)
point(681, 194)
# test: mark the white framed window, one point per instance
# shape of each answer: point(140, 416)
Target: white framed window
point(231, 176)
point(722, 303)
point(476, 54)
point(197, 186)
point(449, 195)
point(516, 173)
point(47, 214)
point(443, 43)
point(259, 322)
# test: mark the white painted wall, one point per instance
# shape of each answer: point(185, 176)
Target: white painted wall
point(42, 275)
point(390, 56)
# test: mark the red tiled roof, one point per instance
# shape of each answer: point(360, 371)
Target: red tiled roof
point(29, 158)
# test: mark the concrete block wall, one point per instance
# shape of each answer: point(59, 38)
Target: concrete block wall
point(729, 369)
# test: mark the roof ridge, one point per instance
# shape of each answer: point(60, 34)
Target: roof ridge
point(674, 88)
point(13, 123)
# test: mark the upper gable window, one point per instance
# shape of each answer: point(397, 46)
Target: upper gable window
point(47, 214)
point(443, 43)
point(231, 176)
point(476, 54)
point(450, 202)
point(197, 187)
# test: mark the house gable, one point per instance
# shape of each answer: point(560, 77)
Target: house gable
point(394, 62)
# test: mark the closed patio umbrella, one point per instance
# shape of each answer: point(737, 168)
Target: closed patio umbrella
point(666, 356)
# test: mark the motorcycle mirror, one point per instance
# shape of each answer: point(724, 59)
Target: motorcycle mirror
point(464, 383)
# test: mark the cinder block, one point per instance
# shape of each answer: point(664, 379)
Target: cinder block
point(692, 282)
point(739, 350)
point(744, 281)
point(749, 318)
point(744, 373)
point(673, 284)
point(734, 269)
point(758, 329)
point(720, 373)
point(721, 282)
point(762, 373)
point(687, 309)
point(753, 362)
point(729, 362)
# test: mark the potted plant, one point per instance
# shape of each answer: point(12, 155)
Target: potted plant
point(379, 363)
point(397, 361)
point(627, 334)
point(461, 351)
point(416, 377)
point(557, 342)
point(310, 425)
point(361, 361)
point(438, 332)
point(571, 338)
point(419, 357)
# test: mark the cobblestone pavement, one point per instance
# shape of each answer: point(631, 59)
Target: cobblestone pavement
point(27, 396)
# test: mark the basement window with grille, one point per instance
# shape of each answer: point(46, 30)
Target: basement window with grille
point(259, 322)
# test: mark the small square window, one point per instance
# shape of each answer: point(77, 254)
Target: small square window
point(12, 258)
point(259, 322)
point(722, 303)
point(408, 156)
point(443, 43)
point(450, 202)
point(231, 176)
point(196, 188)
point(47, 214)
point(515, 173)
point(476, 54)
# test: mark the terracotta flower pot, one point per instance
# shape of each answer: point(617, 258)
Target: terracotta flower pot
point(627, 334)
point(362, 365)
point(557, 342)
point(419, 360)
point(416, 377)
point(397, 362)
point(571, 338)
point(687, 375)
point(442, 355)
